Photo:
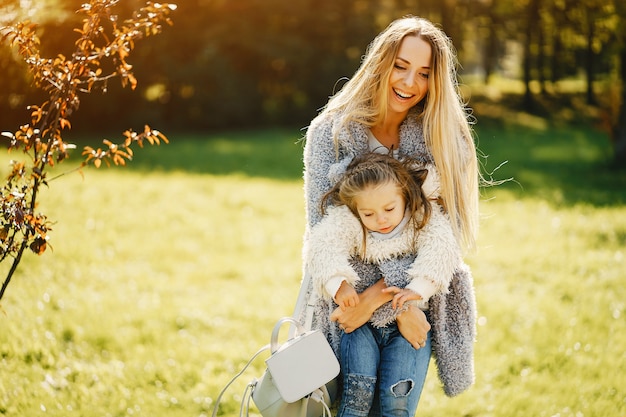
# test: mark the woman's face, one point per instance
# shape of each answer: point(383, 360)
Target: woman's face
point(408, 82)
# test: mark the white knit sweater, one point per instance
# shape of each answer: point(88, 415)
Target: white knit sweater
point(338, 237)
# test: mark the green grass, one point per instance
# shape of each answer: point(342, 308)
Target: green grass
point(271, 153)
point(167, 275)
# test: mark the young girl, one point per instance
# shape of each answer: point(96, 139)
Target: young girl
point(380, 212)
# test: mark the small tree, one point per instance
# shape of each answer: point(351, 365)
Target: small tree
point(101, 52)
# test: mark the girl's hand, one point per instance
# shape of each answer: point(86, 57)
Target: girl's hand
point(346, 296)
point(401, 296)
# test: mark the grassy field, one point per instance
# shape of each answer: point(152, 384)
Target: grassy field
point(166, 276)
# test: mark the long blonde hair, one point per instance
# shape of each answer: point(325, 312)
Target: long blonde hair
point(446, 127)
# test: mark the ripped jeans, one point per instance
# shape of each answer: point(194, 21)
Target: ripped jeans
point(383, 375)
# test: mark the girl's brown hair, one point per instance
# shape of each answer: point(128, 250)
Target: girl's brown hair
point(373, 169)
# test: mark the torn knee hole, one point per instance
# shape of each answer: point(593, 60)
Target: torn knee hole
point(402, 388)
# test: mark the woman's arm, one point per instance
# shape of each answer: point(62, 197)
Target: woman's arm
point(412, 323)
point(328, 249)
point(369, 300)
point(319, 155)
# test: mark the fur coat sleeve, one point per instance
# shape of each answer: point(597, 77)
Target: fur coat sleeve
point(453, 326)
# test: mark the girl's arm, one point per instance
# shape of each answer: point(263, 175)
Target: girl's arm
point(438, 256)
point(438, 253)
point(330, 245)
point(346, 296)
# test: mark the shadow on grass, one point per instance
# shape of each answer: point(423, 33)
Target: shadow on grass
point(269, 153)
point(564, 165)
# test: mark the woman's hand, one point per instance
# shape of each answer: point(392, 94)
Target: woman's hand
point(351, 318)
point(414, 326)
point(369, 300)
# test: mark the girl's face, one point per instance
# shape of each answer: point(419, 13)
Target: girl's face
point(381, 207)
point(408, 82)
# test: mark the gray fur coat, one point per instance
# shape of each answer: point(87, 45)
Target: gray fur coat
point(452, 313)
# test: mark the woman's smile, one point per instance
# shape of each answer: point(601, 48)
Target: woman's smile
point(408, 82)
point(403, 95)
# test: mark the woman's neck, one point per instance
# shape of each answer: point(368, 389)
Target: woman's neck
point(388, 132)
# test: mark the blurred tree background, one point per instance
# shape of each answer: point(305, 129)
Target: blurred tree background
point(252, 63)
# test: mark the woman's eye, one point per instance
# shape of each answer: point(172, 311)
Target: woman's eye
point(390, 209)
point(400, 67)
point(424, 75)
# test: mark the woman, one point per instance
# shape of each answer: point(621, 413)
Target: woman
point(404, 98)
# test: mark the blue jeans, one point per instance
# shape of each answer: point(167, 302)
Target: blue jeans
point(383, 375)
